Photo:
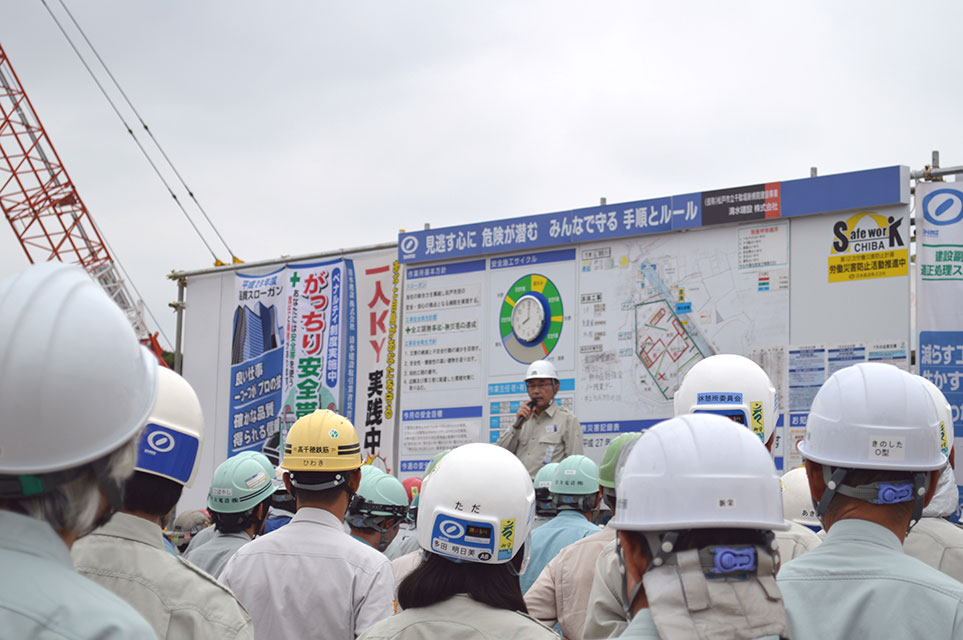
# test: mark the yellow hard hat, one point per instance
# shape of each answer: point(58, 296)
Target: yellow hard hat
point(322, 441)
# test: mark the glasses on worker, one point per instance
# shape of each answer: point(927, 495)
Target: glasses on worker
point(535, 384)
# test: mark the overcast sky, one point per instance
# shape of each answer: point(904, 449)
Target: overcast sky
point(311, 126)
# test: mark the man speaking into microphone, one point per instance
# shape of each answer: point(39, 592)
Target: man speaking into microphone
point(543, 431)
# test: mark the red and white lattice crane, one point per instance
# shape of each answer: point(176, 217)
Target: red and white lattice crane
point(42, 205)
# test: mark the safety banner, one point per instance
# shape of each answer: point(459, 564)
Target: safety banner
point(312, 363)
point(371, 368)
point(256, 359)
point(939, 291)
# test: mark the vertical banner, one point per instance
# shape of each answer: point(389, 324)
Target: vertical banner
point(312, 363)
point(371, 369)
point(939, 292)
point(256, 359)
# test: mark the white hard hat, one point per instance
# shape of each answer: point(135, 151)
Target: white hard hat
point(873, 416)
point(797, 502)
point(698, 471)
point(733, 386)
point(541, 369)
point(171, 443)
point(945, 414)
point(75, 384)
point(476, 505)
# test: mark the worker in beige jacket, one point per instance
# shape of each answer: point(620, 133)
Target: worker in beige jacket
point(127, 555)
point(935, 540)
point(561, 591)
point(734, 387)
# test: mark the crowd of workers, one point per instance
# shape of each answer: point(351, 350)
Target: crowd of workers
point(684, 531)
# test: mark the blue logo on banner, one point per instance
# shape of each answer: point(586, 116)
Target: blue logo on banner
point(943, 207)
point(167, 452)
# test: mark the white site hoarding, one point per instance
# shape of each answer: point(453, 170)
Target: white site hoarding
point(803, 276)
point(628, 302)
point(266, 344)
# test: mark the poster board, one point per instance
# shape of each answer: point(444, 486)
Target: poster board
point(645, 289)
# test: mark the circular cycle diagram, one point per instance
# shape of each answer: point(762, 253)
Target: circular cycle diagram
point(530, 321)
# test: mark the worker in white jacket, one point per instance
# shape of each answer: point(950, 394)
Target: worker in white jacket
point(310, 579)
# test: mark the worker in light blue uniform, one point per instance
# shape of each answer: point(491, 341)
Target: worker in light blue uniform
point(575, 492)
point(873, 456)
point(377, 509)
point(75, 388)
point(238, 503)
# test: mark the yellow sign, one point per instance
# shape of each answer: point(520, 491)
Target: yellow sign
point(865, 266)
point(867, 245)
point(507, 541)
point(758, 421)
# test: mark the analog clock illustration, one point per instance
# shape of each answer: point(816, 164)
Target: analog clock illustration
point(530, 321)
point(528, 318)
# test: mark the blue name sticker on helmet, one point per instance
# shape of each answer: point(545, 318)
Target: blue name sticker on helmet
point(463, 539)
point(719, 397)
point(894, 493)
point(167, 453)
point(727, 560)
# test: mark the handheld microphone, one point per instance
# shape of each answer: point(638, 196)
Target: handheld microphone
point(519, 420)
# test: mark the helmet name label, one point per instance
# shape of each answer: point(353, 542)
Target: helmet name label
point(719, 398)
point(887, 448)
point(461, 538)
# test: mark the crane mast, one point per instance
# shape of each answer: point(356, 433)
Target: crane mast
point(42, 205)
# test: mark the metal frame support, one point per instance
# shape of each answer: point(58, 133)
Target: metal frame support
point(179, 307)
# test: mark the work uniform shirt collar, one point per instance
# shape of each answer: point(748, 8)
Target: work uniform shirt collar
point(134, 528)
point(864, 531)
point(24, 534)
point(550, 410)
point(319, 516)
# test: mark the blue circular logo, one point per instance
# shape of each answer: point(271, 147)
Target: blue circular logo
point(943, 207)
point(160, 442)
point(451, 529)
point(409, 244)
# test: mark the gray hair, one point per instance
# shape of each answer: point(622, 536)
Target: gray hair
point(74, 506)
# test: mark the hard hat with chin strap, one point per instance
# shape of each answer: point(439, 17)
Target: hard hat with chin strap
point(874, 416)
point(240, 483)
point(325, 442)
point(732, 386)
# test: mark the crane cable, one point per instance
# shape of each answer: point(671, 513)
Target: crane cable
point(147, 156)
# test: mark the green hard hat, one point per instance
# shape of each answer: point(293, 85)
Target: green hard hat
point(575, 476)
point(241, 483)
point(265, 462)
point(610, 458)
point(369, 469)
point(434, 461)
point(383, 495)
point(543, 479)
